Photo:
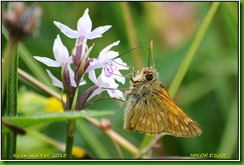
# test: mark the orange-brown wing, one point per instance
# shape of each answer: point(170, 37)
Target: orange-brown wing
point(179, 123)
point(159, 114)
point(145, 117)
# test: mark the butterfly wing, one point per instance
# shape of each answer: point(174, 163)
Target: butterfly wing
point(158, 113)
point(143, 117)
point(179, 123)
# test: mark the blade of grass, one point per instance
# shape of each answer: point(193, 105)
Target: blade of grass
point(186, 62)
point(192, 51)
point(131, 34)
point(230, 15)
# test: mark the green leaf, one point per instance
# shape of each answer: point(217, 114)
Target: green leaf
point(30, 120)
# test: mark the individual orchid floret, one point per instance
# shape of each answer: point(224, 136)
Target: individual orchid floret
point(62, 59)
point(110, 64)
point(61, 55)
point(110, 87)
point(83, 32)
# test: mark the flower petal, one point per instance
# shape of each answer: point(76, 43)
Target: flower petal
point(66, 30)
point(72, 76)
point(95, 92)
point(60, 52)
point(94, 64)
point(108, 79)
point(97, 33)
point(115, 93)
point(119, 77)
point(108, 56)
point(84, 24)
point(47, 61)
point(121, 65)
point(92, 77)
point(107, 48)
point(55, 81)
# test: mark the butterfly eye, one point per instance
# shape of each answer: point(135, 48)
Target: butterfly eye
point(149, 77)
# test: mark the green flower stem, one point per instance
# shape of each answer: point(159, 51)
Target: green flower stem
point(8, 58)
point(71, 101)
point(147, 141)
point(70, 135)
point(70, 138)
point(10, 77)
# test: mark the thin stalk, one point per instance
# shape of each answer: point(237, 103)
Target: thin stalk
point(147, 141)
point(121, 156)
point(116, 137)
point(39, 84)
point(131, 34)
point(10, 69)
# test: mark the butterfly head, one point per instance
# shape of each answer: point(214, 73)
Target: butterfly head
point(147, 74)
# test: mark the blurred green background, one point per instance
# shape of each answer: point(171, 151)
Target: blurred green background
point(208, 93)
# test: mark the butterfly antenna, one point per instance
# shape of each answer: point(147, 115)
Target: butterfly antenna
point(151, 53)
point(139, 47)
